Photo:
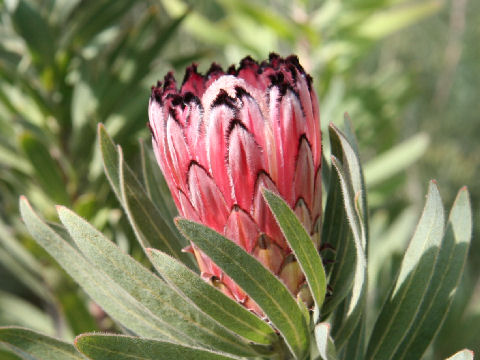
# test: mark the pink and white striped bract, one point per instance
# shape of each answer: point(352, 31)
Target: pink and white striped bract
point(222, 137)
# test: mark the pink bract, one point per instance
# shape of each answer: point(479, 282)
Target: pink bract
point(222, 137)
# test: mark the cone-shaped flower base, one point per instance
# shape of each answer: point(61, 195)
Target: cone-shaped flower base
point(224, 136)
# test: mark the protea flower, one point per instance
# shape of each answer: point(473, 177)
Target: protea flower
point(224, 136)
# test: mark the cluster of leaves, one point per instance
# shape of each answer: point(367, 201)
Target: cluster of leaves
point(64, 65)
point(173, 312)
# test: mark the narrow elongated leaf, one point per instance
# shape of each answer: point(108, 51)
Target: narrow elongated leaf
point(404, 302)
point(350, 159)
point(210, 300)
point(445, 278)
point(301, 244)
point(186, 323)
point(260, 284)
point(325, 344)
point(356, 302)
point(352, 185)
point(355, 346)
point(31, 345)
point(110, 160)
point(146, 220)
point(395, 160)
point(112, 298)
point(336, 234)
point(155, 184)
point(120, 347)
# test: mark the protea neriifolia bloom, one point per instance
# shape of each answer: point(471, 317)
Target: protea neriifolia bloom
point(223, 137)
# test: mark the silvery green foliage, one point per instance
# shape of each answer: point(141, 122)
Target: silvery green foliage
point(173, 313)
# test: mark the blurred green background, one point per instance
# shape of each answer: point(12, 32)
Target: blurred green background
point(407, 72)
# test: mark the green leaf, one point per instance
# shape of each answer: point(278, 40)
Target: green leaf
point(404, 302)
point(47, 170)
point(384, 23)
point(185, 323)
point(355, 346)
point(301, 245)
point(155, 184)
point(16, 311)
point(443, 282)
point(260, 284)
point(395, 160)
point(146, 220)
point(335, 232)
point(464, 354)
point(19, 261)
point(352, 185)
point(111, 297)
point(31, 345)
point(210, 300)
point(325, 344)
point(120, 347)
point(110, 160)
point(34, 29)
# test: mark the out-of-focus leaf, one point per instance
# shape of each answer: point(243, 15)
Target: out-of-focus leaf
point(16, 250)
point(265, 16)
point(199, 25)
point(404, 302)
point(444, 281)
point(325, 344)
point(301, 245)
point(395, 160)
point(16, 311)
point(384, 23)
point(46, 169)
point(260, 284)
point(145, 218)
point(185, 323)
point(110, 296)
point(31, 345)
point(210, 300)
point(464, 354)
point(121, 347)
point(24, 275)
point(35, 30)
point(7, 355)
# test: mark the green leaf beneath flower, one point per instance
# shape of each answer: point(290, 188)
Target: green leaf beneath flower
point(106, 293)
point(120, 347)
point(260, 284)
point(210, 300)
point(147, 221)
point(180, 320)
point(301, 244)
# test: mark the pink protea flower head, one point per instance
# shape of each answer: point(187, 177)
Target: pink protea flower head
point(224, 136)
